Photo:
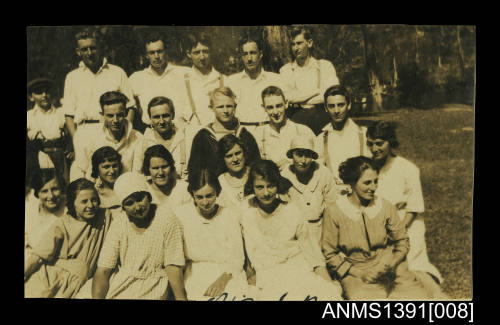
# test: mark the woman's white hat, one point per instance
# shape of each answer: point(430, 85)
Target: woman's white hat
point(128, 183)
point(302, 142)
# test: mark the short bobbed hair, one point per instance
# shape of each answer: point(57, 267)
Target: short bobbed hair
point(74, 187)
point(160, 100)
point(385, 131)
point(268, 170)
point(101, 155)
point(45, 175)
point(227, 143)
point(199, 178)
point(351, 170)
point(337, 90)
point(157, 151)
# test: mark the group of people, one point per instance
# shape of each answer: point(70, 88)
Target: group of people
point(183, 183)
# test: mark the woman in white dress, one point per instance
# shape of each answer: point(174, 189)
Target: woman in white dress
point(163, 182)
point(313, 184)
point(235, 172)
point(106, 167)
point(43, 206)
point(287, 258)
point(399, 183)
point(213, 244)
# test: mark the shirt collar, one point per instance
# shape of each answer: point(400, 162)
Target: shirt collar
point(348, 124)
point(167, 70)
point(126, 136)
point(213, 74)
point(355, 213)
point(313, 63)
point(313, 182)
point(103, 66)
point(262, 75)
point(37, 108)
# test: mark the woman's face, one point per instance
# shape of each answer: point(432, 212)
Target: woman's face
point(264, 191)
point(234, 159)
point(86, 204)
point(137, 205)
point(109, 170)
point(367, 185)
point(50, 195)
point(159, 170)
point(205, 198)
point(301, 160)
point(380, 148)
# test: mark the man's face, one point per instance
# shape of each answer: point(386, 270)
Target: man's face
point(114, 117)
point(301, 46)
point(275, 107)
point(337, 107)
point(40, 95)
point(155, 52)
point(90, 53)
point(200, 55)
point(251, 56)
point(224, 108)
point(161, 118)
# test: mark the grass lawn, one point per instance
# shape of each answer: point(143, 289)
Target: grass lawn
point(441, 143)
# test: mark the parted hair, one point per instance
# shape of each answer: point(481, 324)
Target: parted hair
point(201, 177)
point(103, 154)
point(227, 143)
point(158, 151)
point(272, 91)
point(297, 30)
point(226, 91)
point(351, 170)
point(44, 176)
point(250, 36)
point(74, 187)
point(88, 32)
point(385, 131)
point(337, 90)
point(160, 100)
point(112, 97)
point(200, 37)
point(270, 172)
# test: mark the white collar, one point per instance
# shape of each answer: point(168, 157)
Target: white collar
point(353, 212)
point(104, 65)
point(301, 188)
point(313, 63)
point(167, 70)
point(126, 135)
point(348, 125)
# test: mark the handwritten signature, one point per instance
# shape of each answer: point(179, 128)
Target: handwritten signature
point(224, 297)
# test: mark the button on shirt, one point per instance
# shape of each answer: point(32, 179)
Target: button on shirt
point(42, 124)
point(248, 92)
point(274, 145)
point(83, 89)
point(314, 77)
point(147, 84)
point(201, 88)
point(95, 136)
point(342, 144)
point(313, 197)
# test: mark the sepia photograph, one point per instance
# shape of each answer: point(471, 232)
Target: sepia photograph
point(250, 163)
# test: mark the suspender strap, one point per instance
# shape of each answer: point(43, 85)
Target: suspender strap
point(191, 101)
point(264, 143)
point(361, 146)
point(325, 151)
point(366, 230)
point(221, 80)
point(319, 76)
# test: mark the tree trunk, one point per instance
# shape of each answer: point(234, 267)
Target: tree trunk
point(376, 87)
point(461, 60)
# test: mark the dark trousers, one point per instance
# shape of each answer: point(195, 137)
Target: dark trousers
point(315, 118)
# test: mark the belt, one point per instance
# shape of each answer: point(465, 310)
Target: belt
point(90, 121)
point(254, 123)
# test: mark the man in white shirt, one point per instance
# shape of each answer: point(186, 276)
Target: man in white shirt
point(115, 131)
point(306, 81)
point(94, 76)
point(342, 138)
point(249, 83)
point(159, 79)
point(200, 80)
point(274, 139)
